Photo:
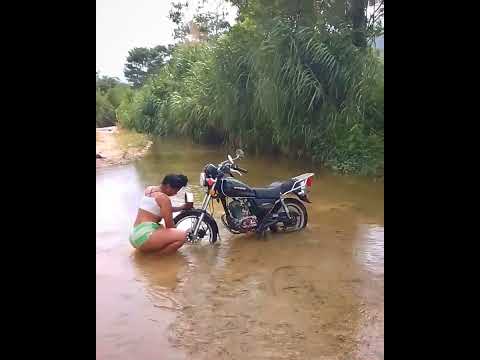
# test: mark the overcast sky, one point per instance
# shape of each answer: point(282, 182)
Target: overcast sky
point(125, 24)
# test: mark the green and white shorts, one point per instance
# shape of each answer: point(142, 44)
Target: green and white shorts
point(141, 233)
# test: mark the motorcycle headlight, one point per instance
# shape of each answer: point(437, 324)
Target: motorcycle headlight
point(202, 179)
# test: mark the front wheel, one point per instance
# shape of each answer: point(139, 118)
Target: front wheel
point(298, 215)
point(208, 230)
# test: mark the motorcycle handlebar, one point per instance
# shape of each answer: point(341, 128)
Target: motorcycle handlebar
point(226, 165)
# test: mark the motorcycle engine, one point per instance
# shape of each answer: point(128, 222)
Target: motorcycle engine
point(241, 216)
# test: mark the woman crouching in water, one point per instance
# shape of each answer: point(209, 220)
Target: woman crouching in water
point(147, 235)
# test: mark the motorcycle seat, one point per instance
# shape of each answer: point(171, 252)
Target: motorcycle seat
point(274, 190)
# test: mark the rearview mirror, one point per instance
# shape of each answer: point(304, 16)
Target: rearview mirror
point(239, 153)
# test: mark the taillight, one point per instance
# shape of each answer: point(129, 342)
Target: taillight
point(309, 181)
point(210, 182)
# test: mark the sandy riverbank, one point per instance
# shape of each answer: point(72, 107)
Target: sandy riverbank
point(117, 146)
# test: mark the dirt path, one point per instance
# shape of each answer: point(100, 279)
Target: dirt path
point(119, 146)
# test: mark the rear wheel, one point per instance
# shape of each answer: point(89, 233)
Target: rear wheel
point(298, 214)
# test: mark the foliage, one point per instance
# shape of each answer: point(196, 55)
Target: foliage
point(110, 93)
point(105, 115)
point(104, 83)
point(143, 62)
point(205, 25)
point(281, 79)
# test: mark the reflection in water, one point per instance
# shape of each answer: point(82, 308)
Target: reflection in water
point(160, 276)
point(158, 271)
point(302, 295)
point(370, 256)
point(117, 196)
point(371, 249)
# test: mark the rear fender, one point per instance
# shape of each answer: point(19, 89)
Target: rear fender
point(303, 197)
point(301, 186)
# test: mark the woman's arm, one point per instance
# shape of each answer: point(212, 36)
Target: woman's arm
point(166, 212)
point(185, 206)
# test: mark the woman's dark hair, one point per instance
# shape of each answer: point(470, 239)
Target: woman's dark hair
point(176, 181)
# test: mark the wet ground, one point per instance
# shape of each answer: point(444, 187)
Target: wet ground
point(317, 294)
point(117, 146)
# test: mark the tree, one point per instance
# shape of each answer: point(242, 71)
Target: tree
point(211, 24)
point(358, 15)
point(143, 62)
point(204, 25)
point(110, 93)
point(104, 83)
point(176, 15)
point(332, 13)
point(105, 112)
point(117, 94)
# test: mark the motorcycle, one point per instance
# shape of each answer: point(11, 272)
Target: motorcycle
point(247, 209)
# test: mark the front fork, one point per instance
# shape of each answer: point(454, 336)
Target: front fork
point(206, 200)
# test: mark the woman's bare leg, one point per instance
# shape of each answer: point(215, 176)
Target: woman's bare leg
point(166, 241)
point(171, 248)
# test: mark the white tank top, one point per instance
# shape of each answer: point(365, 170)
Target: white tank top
point(149, 204)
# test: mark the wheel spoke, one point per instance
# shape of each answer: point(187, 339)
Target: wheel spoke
point(204, 232)
point(297, 219)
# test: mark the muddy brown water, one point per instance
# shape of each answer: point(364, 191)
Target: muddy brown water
point(316, 294)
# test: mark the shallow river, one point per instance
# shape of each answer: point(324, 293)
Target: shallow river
point(317, 294)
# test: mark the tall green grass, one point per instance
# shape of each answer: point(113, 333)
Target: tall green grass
point(302, 91)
